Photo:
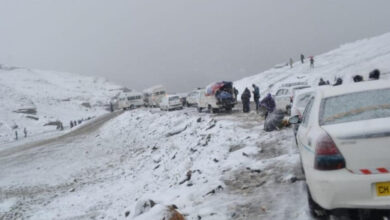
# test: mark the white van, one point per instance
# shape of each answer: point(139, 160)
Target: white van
point(216, 97)
point(154, 95)
point(130, 100)
point(171, 102)
point(285, 95)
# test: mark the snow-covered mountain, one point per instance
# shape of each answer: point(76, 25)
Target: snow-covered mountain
point(31, 98)
point(212, 167)
point(350, 59)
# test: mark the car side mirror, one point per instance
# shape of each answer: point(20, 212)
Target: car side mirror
point(294, 120)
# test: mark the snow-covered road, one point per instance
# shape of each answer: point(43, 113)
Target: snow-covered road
point(238, 170)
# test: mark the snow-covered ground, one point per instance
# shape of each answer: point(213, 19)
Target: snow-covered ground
point(54, 96)
point(348, 60)
point(235, 170)
point(238, 171)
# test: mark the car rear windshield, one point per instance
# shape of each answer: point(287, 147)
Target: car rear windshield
point(355, 107)
point(173, 98)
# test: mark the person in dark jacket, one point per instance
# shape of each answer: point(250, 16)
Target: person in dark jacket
point(322, 82)
point(245, 98)
point(374, 75)
point(338, 82)
point(302, 58)
point(357, 78)
point(256, 96)
point(311, 62)
point(268, 103)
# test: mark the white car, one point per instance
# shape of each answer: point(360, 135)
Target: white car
point(301, 98)
point(344, 144)
point(192, 98)
point(171, 102)
point(285, 95)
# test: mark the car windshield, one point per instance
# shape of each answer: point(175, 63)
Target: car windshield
point(173, 98)
point(355, 107)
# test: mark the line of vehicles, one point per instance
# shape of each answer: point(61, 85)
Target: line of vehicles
point(216, 97)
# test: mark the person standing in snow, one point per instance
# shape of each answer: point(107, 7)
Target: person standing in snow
point(245, 98)
point(16, 135)
point(111, 107)
point(25, 132)
point(291, 63)
point(311, 62)
point(302, 58)
point(268, 103)
point(71, 124)
point(256, 96)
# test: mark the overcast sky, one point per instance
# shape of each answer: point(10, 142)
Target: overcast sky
point(182, 44)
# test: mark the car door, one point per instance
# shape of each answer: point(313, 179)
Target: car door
point(305, 144)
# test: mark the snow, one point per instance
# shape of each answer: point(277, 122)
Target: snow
point(348, 60)
point(55, 96)
point(236, 169)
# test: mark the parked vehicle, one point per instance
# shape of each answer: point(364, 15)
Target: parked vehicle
point(285, 95)
point(171, 102)
point(130, 100)
point(154, 95)
point(300, 100)
point(192, 98)
point(344, 141)
point(216, 97)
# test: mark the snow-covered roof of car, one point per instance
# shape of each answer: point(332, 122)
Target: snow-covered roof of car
point(328, 91)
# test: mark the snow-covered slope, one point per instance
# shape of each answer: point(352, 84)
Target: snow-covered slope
point(54, 96)
point(350, 59)
point(238, 171)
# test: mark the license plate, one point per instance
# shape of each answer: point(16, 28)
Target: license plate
point(383, 189)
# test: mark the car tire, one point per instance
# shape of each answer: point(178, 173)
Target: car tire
point(199, 109)
point(316, 210)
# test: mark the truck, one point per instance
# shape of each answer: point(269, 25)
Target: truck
point(219, 96)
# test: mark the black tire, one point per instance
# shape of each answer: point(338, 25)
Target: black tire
point(214, 110)
point(316, 210)
point(228, 109)
point(200, 109)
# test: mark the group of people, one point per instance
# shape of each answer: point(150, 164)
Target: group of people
point(373, 75)
point(268, 103)
point(24, 131)
point(302, 57)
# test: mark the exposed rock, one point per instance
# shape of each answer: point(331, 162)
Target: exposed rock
point(86, 104)
point(32, 117)
point(31, 111)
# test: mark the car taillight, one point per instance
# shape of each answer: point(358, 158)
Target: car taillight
point(327, 156)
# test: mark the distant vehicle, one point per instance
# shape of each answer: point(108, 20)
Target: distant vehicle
point(216, 97)
point(171, 102)
point(301, 98)
point(285, 95)
point(192, 98)
point(154, 95)
point(344, 141)
point(130, 100)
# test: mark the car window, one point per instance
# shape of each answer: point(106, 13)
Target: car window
point(280, 92)
point(355, 107)
point(306, 113)
point(303, 99)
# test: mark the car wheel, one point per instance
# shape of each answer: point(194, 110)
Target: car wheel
point(316, 210)
point(199, 109)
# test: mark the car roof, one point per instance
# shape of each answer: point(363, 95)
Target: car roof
point(306, 90)
point(330, 91)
